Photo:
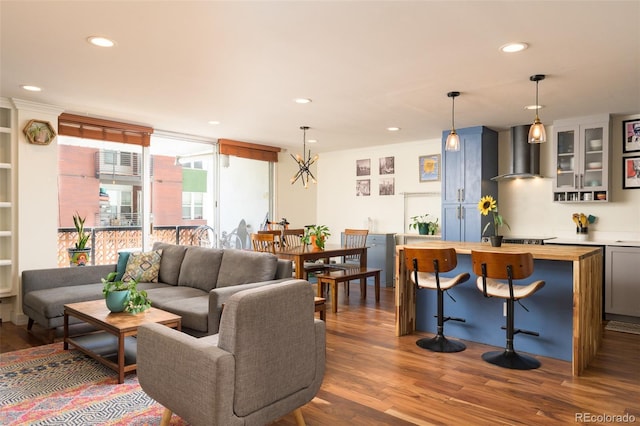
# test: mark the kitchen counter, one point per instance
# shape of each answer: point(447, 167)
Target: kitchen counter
point(594, 242)
point(567, 312)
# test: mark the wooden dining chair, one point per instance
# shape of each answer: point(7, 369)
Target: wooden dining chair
point(277, 235)
point(424, 266)
point(263, 242)
point(352, 238)
point(292, 237)
point(493, 269)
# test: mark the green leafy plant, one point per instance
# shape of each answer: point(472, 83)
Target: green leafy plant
point(83, 237)
point(138, 299)
point(423, 222)
point(317, 232)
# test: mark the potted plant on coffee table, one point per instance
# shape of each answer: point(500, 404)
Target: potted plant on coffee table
point(124, 295)
point(316, 235)
point(80, 254)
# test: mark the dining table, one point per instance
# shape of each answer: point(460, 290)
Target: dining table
point(306, 253)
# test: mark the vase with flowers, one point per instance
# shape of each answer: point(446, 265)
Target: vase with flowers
point(488, 205)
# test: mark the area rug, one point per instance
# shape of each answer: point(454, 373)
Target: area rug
point(625, 327)
point(47, 385)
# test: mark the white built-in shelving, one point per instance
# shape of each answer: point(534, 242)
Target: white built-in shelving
point(7, 200)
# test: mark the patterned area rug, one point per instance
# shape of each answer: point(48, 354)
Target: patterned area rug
point(47, 385)
point(624, 327)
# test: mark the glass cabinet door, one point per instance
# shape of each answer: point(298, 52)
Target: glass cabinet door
point(566, 159)
point(594, 161)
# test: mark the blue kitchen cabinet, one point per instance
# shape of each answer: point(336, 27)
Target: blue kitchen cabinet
point(466, 177)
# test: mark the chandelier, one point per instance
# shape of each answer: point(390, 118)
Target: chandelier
point(304, 162)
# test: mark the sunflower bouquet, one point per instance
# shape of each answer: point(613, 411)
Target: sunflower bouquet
point(488, 205)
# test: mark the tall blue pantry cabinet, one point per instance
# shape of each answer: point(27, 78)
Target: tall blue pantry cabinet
point(466, 177)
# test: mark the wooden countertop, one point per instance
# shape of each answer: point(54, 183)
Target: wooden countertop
point(546, 252)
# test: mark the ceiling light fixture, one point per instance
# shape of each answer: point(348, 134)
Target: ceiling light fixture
point(393, 129)
point(537, 134)
point(100, 41)
point(213, 122)
point(302, 100)
point(453, 140)
point(518, 46)
point(304, 162)
point(31, 88)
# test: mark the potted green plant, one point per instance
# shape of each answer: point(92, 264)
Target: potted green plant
point(316, 236)
point(423, 224)
point(79, 255)
point(124, 295)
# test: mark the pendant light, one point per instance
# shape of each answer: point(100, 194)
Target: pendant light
point(304, 162)
point(537, 134)
point(453, 140)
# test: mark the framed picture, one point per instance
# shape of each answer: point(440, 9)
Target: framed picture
point(387, 186)
point(631, 173)
point(387, 166)
point(631, 132)
point(39, 132)
point(429, 168)
point(363, 187)
point(363, 167)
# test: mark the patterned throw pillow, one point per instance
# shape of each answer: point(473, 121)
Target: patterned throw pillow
point(143, 266)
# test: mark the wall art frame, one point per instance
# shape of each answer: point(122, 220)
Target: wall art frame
point(429, 168)
point(39, 132)
point(631, 135)
point(631, 172)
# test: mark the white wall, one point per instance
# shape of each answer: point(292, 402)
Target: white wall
point(528, 207)
point(294, 202)
point(526, 204)
point(340, 208)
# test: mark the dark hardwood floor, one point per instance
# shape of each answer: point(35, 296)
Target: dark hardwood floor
point(376, 378)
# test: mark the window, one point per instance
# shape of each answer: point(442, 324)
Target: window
point(192, 205)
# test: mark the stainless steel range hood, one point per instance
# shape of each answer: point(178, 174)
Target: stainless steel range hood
point(525, 156)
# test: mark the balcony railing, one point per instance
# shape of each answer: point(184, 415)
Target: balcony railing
point(106, 242)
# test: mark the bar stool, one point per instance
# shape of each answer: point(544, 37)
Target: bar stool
point(424, 266)
point(491, 267)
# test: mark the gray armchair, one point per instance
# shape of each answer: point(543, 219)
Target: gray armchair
point(267, 360)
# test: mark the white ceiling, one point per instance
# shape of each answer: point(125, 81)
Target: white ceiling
point(366, 65)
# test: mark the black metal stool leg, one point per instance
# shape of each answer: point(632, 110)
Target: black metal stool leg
point(509, 358)
point(439, 343)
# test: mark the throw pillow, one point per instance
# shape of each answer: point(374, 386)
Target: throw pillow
point(143, 266)
point(123, 258)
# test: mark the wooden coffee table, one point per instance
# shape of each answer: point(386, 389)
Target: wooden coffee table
point(114, 344)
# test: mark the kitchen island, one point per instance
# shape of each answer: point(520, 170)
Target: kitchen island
point(567, 312)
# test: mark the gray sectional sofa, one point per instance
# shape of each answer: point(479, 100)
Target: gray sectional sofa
point(193, 282)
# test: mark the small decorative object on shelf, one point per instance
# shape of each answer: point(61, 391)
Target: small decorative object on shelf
point(80, 253)
point(424, 225)
point(488, 205)
point(316, 236)
point(582, 222)
point(124, 295)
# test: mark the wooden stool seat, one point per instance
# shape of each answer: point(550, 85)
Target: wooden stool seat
point(333, 277)
point(490, 267)
point(424, 266)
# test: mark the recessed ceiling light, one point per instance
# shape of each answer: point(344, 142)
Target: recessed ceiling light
point(31, 88)
point(393, 129)
point(302, 100)
point(534, 107)
point(213, 122)
point(101, 41)
point(312, 140)
point(514, 47)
